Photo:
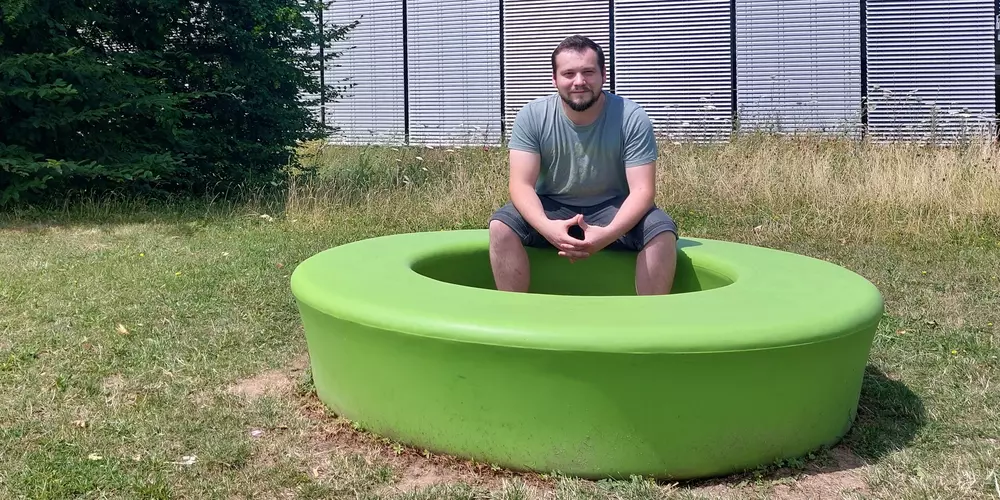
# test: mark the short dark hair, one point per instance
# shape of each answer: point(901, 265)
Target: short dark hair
point(578, 43)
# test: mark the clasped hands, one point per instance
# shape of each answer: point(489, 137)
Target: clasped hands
point(595, 238)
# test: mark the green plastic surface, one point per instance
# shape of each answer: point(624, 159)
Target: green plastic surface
point(757, 355)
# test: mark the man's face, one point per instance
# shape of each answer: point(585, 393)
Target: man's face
point(578, 78)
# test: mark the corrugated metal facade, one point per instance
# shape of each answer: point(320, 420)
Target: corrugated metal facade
point(930, 68)
point(674, 59)
point(373, 110)
point(532, 29)
point(799, 65)
point(454, 71)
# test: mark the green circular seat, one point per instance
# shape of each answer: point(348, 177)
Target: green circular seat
point(756, 355)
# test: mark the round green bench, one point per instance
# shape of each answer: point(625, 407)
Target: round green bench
point(756, 355)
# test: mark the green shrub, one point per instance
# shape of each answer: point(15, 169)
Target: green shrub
point(155, 96)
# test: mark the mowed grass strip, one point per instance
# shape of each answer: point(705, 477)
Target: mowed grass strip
point(153, 350)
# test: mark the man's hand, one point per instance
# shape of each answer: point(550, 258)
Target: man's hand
point(556, 231)
point(641, 181)
point(595, 239)
point(524, 170)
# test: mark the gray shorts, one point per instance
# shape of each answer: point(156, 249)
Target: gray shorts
point(654, 222)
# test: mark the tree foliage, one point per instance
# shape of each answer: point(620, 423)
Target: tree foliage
point(154, 96)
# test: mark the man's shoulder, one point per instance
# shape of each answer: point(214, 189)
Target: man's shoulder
point(543, 104)
point(533, 116)
point(630, 109)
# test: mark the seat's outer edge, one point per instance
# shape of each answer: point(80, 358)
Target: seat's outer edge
point(777, 299)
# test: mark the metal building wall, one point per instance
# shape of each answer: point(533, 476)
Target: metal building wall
point(931, 68)
point(798, 65)
point(454, 71)
point(674, 58)
point(532, 29)
point(372, 111)
point(471, 65)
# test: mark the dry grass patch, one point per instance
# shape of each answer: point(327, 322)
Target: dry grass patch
point(857, 190)
point(201, 292)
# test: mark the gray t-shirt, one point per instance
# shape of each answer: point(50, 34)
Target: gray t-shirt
point(586, 165)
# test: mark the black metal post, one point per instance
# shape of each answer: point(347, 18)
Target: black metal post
point(503, 86)
point(406, 79)
point(611, 46)
point(996, 66)
point(734, 108)
point(864, 68)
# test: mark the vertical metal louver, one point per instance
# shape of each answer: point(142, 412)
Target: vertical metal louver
point(454, 72)
point(532, 30)
point(372, 111)
point(674, 59)
point(930, 68)
point(799, 65)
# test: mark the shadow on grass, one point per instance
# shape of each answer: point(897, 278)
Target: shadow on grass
point(889, 417)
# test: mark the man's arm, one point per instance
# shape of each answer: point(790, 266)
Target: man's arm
point(525, 166)
point(524, 169)
point(640, 172)
point(642, 191)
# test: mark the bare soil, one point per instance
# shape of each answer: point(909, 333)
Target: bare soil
point(839, 475)
point(279, 382)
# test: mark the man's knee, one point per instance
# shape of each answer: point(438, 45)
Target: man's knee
point(665, 240)
point(506, 225)
point(502, 235)
point(500, 232)
point(665, 236)
point(656, 227)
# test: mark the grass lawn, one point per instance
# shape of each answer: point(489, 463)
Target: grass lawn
point(152, 351)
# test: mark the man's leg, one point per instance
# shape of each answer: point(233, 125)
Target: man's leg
point(656, 264)
point(511, 269)
point(655, 240)
point(509, 235)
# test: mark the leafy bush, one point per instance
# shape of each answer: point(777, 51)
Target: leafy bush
point(155, 96)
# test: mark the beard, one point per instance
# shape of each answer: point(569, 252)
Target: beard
point(580, 105)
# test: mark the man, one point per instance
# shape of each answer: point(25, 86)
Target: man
point(582, 159)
